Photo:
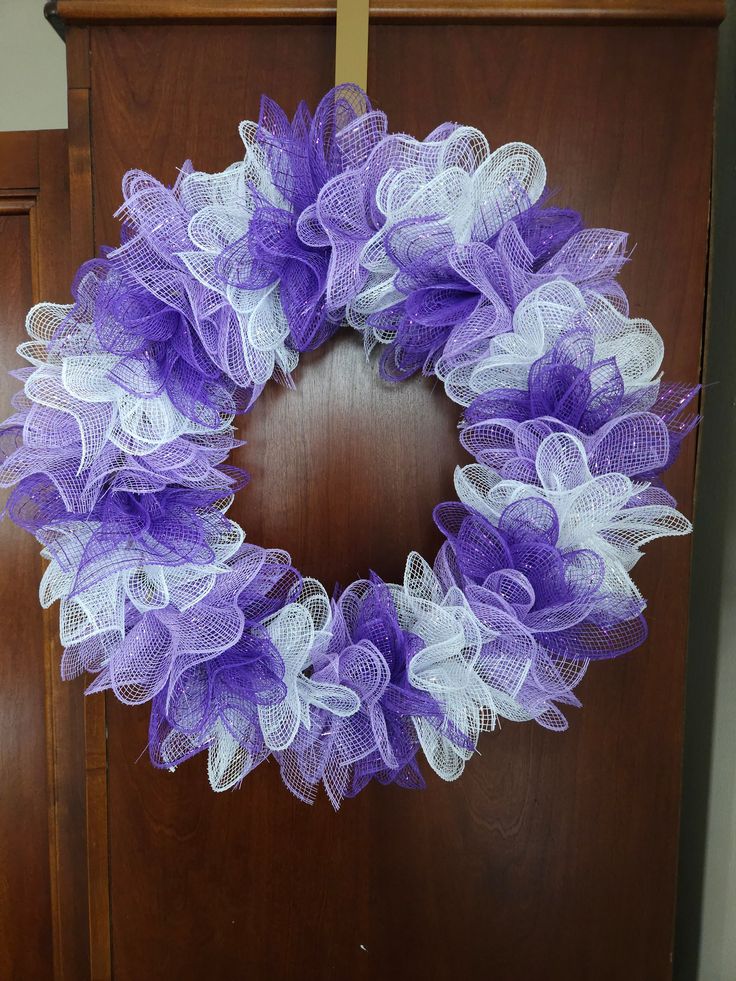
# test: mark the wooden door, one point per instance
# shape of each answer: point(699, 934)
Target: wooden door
point(43, 869)
point(554, 856)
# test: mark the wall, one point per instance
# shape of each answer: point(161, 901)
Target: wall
point(32, 69)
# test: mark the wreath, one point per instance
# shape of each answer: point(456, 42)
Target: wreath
point(446, 256)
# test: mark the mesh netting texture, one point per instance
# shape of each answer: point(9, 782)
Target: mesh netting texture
point(447, 257)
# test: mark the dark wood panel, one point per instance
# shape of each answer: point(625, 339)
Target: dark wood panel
point(25, 889)
point(19, 161)
point(94, 720)
point(162, 95)
point(43, 907)
point(611, 11)
point(554, 855)
point(64, 700)
point(622, 118)
point(334, 492)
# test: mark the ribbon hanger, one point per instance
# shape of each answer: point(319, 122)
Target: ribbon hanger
point(351, 42)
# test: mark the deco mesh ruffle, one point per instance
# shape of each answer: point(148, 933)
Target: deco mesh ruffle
point(445, 255)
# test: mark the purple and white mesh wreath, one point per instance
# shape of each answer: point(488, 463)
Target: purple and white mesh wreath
point(442, 253)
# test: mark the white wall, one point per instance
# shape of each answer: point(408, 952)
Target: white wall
point(32, 69)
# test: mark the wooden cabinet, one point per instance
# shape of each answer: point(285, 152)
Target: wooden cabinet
point(43, 869)
point(555, 855)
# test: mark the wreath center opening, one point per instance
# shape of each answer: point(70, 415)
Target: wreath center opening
point(345, 469)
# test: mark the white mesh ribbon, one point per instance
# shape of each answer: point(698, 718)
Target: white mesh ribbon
point(454, 180)
point(222, 206)
point(610, 514)
point(74, 376)
point(544, 316)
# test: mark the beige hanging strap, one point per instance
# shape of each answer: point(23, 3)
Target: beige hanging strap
point(351, 42)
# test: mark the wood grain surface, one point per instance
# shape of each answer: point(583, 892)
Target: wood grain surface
point(25, 924)
point(97, 938)
point(43, 904)
point(559, 11)
point(554, 855)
